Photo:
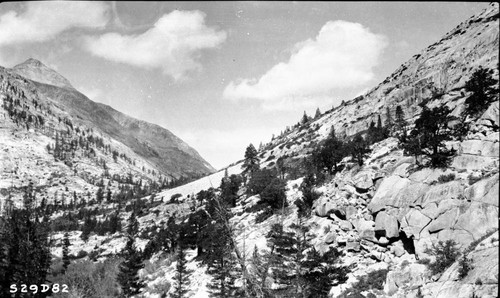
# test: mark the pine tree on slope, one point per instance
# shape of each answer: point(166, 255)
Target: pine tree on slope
point(251, 161)
point(182, 275)
point(24, 248)
point(128, 275)
point(65, 250)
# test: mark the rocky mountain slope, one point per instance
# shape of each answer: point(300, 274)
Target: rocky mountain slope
point(59, 140)
point(154, 143)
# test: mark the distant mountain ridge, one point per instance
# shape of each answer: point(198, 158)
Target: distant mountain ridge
point(159, 146)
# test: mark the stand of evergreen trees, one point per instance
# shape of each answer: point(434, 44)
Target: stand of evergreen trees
point(24, 248)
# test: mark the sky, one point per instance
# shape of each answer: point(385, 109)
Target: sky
point(222, 75)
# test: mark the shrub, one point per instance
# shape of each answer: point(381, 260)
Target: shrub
point(473, 179)
point(446, 178)
point(464, 266)
point(424, 261)
point(446, 253)
point(404, 264)
point(371, 281)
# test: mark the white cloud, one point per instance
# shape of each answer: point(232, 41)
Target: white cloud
point(342, 56)
point(43, 20)
point(173, 44)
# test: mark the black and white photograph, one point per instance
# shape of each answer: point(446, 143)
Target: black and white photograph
point(249, 149)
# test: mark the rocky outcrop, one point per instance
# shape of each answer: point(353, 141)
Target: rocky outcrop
point(387, 225)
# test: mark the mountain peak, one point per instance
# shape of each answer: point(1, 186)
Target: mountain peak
point(31, 62)
point(35, 70)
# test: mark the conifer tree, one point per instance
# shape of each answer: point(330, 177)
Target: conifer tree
point(251, 161)
point(222, 265)
point(298, 269)
point(99, 195)
point(108, 196)
point(128, 270)
point(24, 247)
point(223, 269)
point(328, 155)
point(322, 271)
point(260, 265)
point(309, 195)
point(229, 189)
point(359, 149)
point(317, 114)
point(483, 88)
point(65, 251)
point(182, 275)
point(304, 119)
point(280, 167)
point(283, 260)
point(428, 136)
point(87, 228)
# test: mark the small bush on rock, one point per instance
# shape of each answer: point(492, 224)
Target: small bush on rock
point(373, 280)
point(465, 265)
point(446, 178)
point(446, 253)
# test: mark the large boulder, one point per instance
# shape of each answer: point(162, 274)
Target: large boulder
point(353, 245)
point(350, 211)
point(387, 225)
point(363, 180)
point(324, 207)
point(345, 225)
point(396, 192)
point(413, 222)
point(365, 229)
